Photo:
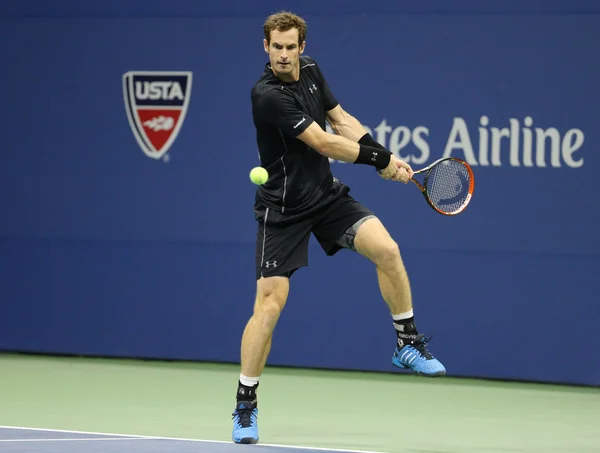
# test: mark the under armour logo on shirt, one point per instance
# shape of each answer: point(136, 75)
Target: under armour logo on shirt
point(374, 158)
point(313, 88)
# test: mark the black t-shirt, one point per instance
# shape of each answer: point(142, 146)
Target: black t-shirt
point(299, 176)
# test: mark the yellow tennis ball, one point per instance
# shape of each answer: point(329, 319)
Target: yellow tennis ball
point(259, 175)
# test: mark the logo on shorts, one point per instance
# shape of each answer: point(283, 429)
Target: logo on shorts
point(156, 105)
point(269, 264)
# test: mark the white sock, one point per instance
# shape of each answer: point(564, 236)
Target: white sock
point(401, 316)
point(249, 381)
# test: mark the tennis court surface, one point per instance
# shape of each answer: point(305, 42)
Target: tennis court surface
point(18, 439)
point(85, 405)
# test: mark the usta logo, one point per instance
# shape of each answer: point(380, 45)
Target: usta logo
point(156, 104)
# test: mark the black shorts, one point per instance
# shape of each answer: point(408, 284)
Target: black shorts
point(282, 239)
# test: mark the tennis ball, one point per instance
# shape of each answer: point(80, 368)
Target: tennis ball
point(259, 175)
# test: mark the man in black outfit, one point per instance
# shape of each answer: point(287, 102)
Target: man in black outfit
point(290, 104)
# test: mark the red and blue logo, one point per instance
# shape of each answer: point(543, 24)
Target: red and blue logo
point(156, 105)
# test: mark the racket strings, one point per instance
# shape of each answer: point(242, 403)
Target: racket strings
point(448, 185)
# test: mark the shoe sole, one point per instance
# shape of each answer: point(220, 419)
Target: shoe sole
point(247, 440)
point(404, 367)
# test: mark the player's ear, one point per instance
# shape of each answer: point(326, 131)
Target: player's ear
point(302, 46)
point(266, 45)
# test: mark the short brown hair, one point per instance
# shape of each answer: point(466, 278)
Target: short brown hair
point(284, 21)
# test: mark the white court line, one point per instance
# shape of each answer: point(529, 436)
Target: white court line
point(87, 439)
point(135, 436)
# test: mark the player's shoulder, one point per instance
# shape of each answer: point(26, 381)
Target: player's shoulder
point(265, 84)
point(308, 63)
point(309, 67)
point(267, 89)
point(265, 94)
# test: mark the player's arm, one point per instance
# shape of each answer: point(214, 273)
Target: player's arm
point(278, 108)
point(341, 148)
point(345, 124)
point(338, 147)
point(348, 126)
point(342, 122)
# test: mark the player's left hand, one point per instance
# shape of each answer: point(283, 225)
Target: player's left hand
point(403, 171)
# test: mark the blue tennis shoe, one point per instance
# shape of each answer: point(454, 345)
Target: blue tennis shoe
point(245, 423)
point(415, 356)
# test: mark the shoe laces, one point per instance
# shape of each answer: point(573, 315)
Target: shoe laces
point(420, 344)
point(243, 412)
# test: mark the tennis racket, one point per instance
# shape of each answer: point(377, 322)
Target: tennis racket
point(447, 186)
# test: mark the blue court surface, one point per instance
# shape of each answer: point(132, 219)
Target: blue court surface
point(18, 439)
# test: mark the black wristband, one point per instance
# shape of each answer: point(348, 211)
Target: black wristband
point(368, 140)
point(376, 157)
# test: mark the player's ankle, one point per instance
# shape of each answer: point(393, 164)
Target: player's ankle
point(406, 329)
point(247, 387)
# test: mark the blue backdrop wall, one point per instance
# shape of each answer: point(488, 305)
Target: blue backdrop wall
point(107, 251)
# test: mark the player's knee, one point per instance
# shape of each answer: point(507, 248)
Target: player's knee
point(267, 309)
point(388, 254)
point(270, 300)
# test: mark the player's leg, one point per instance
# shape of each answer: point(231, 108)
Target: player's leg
point(384, 252)
point(271, 296)
point(279, 252)
point(371, 239)
point(266, 353)
point(348, 224)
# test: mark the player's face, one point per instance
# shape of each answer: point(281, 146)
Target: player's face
point(284, 54)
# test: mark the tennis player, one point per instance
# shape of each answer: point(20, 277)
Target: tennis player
point(290, 104)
